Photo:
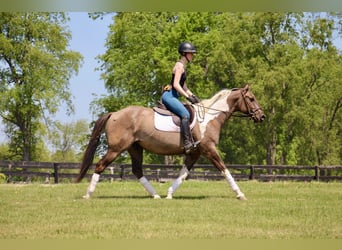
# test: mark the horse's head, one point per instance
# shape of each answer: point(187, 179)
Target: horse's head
point(246, 103)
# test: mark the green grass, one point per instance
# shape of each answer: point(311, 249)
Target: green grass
point(199, 210)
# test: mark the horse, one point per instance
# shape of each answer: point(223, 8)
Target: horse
point(132, 129)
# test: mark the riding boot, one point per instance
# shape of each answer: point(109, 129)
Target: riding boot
point(186, 133)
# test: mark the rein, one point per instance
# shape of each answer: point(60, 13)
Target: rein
point(201, 112)
point(251, 112)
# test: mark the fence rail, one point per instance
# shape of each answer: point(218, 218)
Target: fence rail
point(15, 171)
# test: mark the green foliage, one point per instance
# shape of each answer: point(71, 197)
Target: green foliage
point(35, 68)
point(2, 178)
point(289, 59)
point(68, 141)
point(4, 151)
point(142, 49)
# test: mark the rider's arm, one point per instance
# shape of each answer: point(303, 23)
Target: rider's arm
point(178, 71)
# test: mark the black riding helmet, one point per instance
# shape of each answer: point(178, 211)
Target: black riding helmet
point(186, 47)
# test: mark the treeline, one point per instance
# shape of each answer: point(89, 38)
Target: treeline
point(290, 60)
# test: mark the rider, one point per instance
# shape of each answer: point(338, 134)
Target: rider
point(177, 88)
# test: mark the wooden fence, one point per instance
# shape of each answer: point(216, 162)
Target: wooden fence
point(55, 172)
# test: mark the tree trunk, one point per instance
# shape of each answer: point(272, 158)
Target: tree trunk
point(271, 151)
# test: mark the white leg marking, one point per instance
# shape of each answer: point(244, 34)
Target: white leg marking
point(182, 175)
point(94, 180)
point(147, 185)
point(233, 185)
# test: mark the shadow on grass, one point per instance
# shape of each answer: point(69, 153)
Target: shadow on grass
point(144, 197)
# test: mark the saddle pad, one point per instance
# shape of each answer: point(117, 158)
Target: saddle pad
point(165, 123)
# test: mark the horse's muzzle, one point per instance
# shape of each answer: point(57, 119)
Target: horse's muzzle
point(258, 116)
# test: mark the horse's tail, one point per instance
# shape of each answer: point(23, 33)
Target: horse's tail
point(92, 145)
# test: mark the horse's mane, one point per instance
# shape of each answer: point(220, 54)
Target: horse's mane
point(218, 96)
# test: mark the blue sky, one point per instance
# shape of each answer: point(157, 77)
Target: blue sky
point(88, 38)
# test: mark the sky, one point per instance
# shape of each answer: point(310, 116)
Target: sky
point(88, 38)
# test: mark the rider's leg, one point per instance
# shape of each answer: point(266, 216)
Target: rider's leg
point(174, 105)
point(187, 138)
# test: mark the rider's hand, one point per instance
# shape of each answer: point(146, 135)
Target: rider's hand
point(193, 99)
point(196, 98)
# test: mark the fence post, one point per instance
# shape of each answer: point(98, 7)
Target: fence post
point(251, 172)
point(9, 176)
point(55, 172)
point(317, 173)
point(122, 172)
point(158, 175)
point(112, 173)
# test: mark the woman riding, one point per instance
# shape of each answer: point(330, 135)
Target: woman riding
point(178, 88)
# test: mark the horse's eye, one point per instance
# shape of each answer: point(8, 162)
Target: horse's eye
point(252, 99)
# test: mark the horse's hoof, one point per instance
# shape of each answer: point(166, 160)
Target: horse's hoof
point(169, 197)
point(156, 196)
point(86, 197)
point(241, 197)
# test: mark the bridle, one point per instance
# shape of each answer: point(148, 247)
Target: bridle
point(251, 110)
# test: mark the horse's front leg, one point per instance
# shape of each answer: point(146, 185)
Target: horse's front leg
point(239, 195)
point(175, 185)
point(214, 157)
point(148, 187)
point(136, 152)
point(189, 162)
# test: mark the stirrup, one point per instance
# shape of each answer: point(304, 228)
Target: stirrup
point(190, 147)
point(196, 144)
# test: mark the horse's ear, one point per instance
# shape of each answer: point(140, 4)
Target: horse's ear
point(246, 88)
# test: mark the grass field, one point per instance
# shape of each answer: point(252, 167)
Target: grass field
point(199, 210)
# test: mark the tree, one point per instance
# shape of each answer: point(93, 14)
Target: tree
point(4, 151)
point(141, 51)
point(68, 140)
point(273, 57)
point(35, 67)
point(289, 59)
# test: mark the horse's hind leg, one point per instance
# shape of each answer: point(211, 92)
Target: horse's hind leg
point(100, 167)
point(136, 153)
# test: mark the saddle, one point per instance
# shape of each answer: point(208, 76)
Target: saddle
point(161, 109)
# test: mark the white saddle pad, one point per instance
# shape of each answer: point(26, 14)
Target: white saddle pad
point(165, 123)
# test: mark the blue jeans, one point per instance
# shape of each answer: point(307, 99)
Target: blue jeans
point(170, 100)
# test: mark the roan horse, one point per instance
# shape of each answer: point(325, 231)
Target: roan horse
point(132, 129)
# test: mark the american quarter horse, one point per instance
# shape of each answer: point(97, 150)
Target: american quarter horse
point(132, 129)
